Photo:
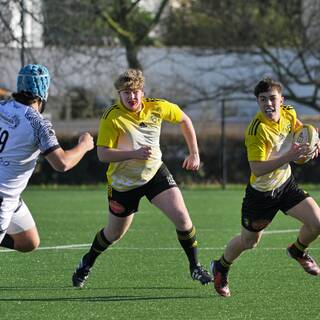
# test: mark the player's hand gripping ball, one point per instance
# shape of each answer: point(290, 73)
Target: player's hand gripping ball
point(306, 134)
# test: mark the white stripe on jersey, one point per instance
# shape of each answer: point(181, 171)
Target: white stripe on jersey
point(23, 135)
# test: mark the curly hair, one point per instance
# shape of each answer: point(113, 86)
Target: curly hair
point(131, 79)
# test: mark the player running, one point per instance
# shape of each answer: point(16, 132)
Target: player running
point(24, 134)
point(272, 187)
point(128, 140)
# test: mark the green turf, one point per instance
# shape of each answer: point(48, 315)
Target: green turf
point(145, 275)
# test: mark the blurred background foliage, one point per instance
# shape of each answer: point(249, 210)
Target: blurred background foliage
point(279, 36)
point(234, 25)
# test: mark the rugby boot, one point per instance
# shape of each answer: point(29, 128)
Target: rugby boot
point(200, 274)
point(306, 262)
point(81, 274)
point(220, 280)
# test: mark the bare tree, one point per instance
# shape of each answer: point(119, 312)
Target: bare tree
point(131, 36)
point(17, 19)
point(274, 38)
point(81, 25)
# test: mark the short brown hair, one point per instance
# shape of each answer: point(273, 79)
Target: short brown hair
point(267, 84)
point(131, 79)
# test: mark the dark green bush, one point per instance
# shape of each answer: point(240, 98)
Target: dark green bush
point(91, 171)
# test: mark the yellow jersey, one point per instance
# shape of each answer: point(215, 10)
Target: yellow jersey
point(266, 140)
point(122, 129)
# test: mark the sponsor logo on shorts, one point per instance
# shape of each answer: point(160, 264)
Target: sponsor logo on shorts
point(171, 180)
point(116, 207)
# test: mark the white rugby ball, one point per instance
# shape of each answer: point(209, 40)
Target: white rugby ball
point(306, 134)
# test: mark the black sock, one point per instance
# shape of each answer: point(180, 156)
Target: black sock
point(7, 242)
point(223, 265)
point(100, 244)
point(297, 249)
point(188, 241)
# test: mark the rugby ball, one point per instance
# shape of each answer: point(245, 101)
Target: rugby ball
point(306, 134)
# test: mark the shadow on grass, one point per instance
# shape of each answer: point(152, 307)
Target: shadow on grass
point(101, 298)
point(111, 298)
point(88, 289)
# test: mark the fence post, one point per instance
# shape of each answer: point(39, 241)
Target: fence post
point(223, 160)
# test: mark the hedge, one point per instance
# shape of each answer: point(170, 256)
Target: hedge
point(91, 171)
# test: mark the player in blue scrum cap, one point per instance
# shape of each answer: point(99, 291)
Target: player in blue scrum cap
point(24, 134)
point(34, 80)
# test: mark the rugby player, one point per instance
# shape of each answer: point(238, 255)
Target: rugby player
point(272, 187)
point(24, 134)
point(128, 140)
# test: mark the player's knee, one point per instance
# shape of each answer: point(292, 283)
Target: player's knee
point(183, 221)
point(27, 245)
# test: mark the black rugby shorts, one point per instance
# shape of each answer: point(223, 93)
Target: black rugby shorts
point(123, 204)
point(258, 206)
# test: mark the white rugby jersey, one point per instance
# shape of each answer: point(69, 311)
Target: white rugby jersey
point(24, 133)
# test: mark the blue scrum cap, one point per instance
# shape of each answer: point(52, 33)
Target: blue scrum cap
point(35, 80)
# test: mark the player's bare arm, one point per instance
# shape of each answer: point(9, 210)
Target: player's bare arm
point(192, 161)
point(298, 124)
point(115, 155)
point(296, 151)
point(62, 160)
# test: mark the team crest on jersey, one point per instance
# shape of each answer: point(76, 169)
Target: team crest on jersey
point(154, 119)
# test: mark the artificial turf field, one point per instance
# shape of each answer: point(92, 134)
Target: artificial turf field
point(145, 275)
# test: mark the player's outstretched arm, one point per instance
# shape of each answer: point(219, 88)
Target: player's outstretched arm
point(62, 160)
point(192, 161)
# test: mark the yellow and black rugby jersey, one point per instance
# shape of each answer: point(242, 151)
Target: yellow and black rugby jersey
point(266, 140)
point(126, 130)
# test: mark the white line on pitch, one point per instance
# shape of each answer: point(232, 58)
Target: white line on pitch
point(281, 231)
point(79, 246)
point(85, 245)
